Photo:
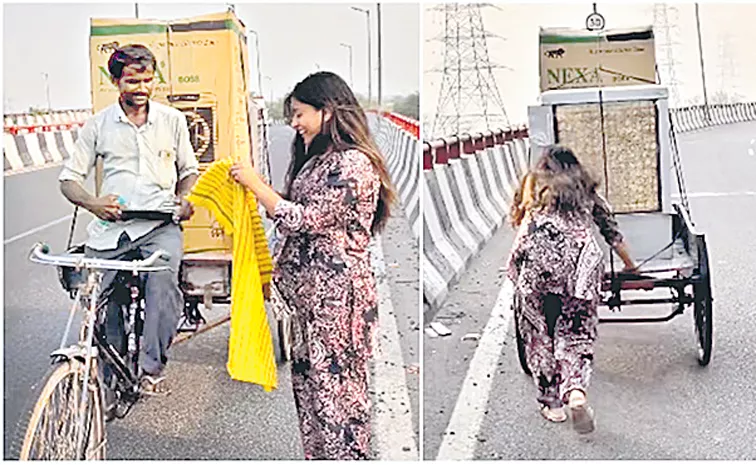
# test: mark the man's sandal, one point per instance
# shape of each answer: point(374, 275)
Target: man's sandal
point(154, 385)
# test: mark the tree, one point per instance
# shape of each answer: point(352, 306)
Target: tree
point(275, 109)
point(408, 106)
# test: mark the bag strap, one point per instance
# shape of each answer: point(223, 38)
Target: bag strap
point(98, 186)
point(98, 174)
point(73, 227)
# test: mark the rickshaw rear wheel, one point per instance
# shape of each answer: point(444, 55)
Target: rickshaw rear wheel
point(702, 306)
point(284, 340)
point(521, 355)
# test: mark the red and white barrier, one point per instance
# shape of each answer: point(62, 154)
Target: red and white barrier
point(24, 150)
point(65, 120)
point(398, 138)
point(468, 186)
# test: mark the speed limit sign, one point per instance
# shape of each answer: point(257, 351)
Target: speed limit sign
point(595, 22)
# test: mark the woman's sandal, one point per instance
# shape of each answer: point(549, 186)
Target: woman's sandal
point(582, 416)
point(554, 415)
point(154, 385)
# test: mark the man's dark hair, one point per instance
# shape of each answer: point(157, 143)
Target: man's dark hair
point(133, 54)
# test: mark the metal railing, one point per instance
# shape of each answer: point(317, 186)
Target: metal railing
point(700, 116)
point(440, 151)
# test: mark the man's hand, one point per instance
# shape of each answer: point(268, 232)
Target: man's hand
point(106, 208)
point(186, 210)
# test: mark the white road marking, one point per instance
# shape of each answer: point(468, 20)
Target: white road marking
point(696, 195)
point(460, 437)
point(395, 438)
point(37, 229)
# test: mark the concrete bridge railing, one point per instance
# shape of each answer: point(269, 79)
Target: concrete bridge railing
point(398, 138)
point(468, 186)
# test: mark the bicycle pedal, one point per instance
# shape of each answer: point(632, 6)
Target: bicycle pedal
point(122, 410)
point(110, 414)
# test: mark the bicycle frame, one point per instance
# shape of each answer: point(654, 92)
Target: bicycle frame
point(90, 361)
point(94, 342)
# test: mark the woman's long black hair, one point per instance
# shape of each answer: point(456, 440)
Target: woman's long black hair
point(346, 129)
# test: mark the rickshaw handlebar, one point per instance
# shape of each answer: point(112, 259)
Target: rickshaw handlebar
point(41, 254)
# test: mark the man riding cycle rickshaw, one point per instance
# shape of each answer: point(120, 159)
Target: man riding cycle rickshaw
point(141, 275)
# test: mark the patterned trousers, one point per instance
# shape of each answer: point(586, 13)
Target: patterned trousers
point(332, 334)
point(559, 334)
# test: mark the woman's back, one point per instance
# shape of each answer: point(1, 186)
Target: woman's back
point(555, 253)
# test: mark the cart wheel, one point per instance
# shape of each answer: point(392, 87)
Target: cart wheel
point(284, 340)
point(191, 318)
point(702, 306)
point(520, 342)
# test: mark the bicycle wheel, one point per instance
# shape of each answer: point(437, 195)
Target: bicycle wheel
point(51, 433)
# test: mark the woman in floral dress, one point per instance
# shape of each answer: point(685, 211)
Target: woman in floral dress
point(557, 267)
point(338, 195)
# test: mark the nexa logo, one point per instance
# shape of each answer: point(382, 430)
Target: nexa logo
point(562, 76)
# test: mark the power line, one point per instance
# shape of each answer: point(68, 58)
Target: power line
point(469, 99)
point(666, 34)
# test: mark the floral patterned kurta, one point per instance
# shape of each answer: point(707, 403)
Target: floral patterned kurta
point(557, 267)
point(324, 274)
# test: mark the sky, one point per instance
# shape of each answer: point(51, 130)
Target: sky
point(295, 40)
point(728, 34)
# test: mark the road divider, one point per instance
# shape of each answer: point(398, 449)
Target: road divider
point(22, 152)
point(398, 138)
point(468, 186)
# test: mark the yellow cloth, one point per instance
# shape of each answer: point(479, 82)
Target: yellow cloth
point(250, 347)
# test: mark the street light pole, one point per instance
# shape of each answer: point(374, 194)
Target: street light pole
point(136, 10)
point(257, 55)
point(703, 73)
point(370, 61)
point(380, 69)
point(47, 87)
point(351, 75)
point(271, 88)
